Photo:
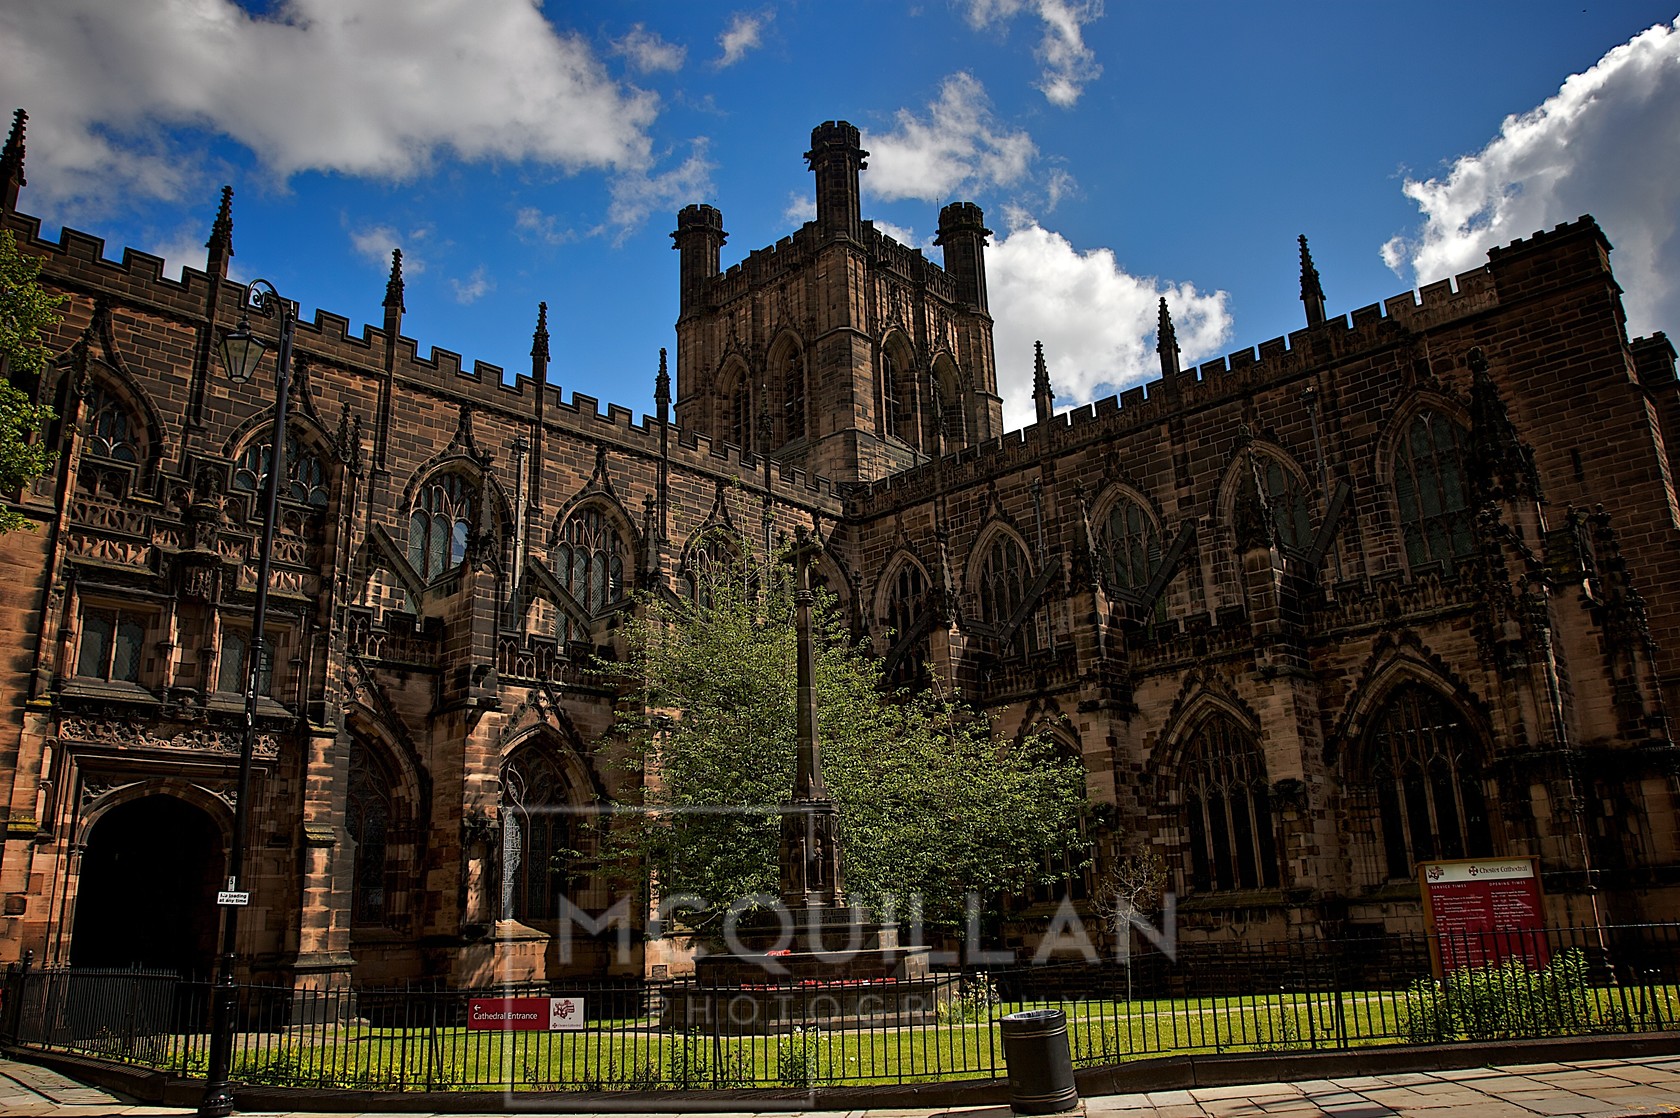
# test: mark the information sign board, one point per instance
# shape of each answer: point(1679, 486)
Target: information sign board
point(525, 1014)
point(1481, 911)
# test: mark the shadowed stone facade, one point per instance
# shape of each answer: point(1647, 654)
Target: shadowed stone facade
point(1401, 585)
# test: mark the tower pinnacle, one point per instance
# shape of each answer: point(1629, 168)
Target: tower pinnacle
point(220, 243)
point(1312, 292)
point(1043, 398)
point(1166, 341)
point(11, 163)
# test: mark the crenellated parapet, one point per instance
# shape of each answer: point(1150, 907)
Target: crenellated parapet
point(1222, 382)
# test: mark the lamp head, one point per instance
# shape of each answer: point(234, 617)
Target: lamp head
point(242, 351)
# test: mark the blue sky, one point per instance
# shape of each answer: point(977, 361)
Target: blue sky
point(519, 152)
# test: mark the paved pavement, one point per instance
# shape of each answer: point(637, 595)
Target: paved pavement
point(1607, 1088)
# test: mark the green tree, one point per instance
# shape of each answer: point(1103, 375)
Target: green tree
point(931, 806)
point(26, 312)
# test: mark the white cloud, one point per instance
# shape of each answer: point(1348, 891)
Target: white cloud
point(1607, 143)
point(744, 33)
point(1068, 63)
point(647, 52)
point(374, 244)
point(377, 88)
point(532, 225)
point(905, 237)
point(801, 207)
point(181, 249)
point(959, 145)
point(638, 194)
point(474, 287)
point(1059, 185)
point(1097, 321)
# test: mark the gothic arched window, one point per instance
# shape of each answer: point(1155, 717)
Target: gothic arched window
point(1291, 507)
point(589, 562)
point(1004, 578)
point(109, 431)
point(707, 561)
point(738, 415)
point(368, 819)
point(1227, 809)
point(306, 477)
point(1422, 766)
point(1067, 871)
point(945, 406)
point(1429, 489)
point(539, 855)
point(1129, 546)
point(439, 522)
point(793, 393)
point(898, 391)
point(906, 599)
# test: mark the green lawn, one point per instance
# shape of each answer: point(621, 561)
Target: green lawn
point(638, 1054)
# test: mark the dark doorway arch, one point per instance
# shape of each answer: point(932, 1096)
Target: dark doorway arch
point(148, 888)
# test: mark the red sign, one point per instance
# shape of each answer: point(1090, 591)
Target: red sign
point(525, 1014)
point(1482, 911)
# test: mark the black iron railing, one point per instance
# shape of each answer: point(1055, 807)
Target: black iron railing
point(1303, 994)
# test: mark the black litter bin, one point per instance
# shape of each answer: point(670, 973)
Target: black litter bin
point(1035, 1048)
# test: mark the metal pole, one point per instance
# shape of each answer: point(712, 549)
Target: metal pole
point(218, 1091)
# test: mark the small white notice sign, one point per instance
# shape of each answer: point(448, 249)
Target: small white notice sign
point(228, 896)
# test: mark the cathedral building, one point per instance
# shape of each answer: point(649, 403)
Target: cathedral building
point(1404, 585)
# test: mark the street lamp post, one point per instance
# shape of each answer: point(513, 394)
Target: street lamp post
point(241, 352)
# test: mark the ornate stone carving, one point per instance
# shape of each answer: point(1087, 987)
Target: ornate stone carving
point(129, 735)
point(97, 787)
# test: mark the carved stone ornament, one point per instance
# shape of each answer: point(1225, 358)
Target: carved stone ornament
point(227, 793)
point(128, 735)
point(96, 787)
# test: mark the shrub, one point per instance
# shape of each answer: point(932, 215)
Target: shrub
point(1507, 999)
point(799, 1058)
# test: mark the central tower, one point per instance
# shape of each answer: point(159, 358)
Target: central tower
point(837, 349)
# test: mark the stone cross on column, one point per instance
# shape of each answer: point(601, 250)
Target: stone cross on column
point(810, 851)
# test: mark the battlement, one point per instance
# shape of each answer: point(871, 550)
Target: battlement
point(794, 252)
point(1544, 239)
point(1238, 374)
point(77, 262)
point(764, 264)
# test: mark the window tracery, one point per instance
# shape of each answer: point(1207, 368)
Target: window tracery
point(368, 812)
point(1227, 812)
point(589, 562)
point(1430, 491)
point(1004, 579)
point(439, 525)
point(109, 430)
point(793, 393)
point(305, 475)
point(539, 837)
point(1422, 766)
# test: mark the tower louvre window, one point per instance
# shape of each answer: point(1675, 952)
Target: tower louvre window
point(793, 394)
